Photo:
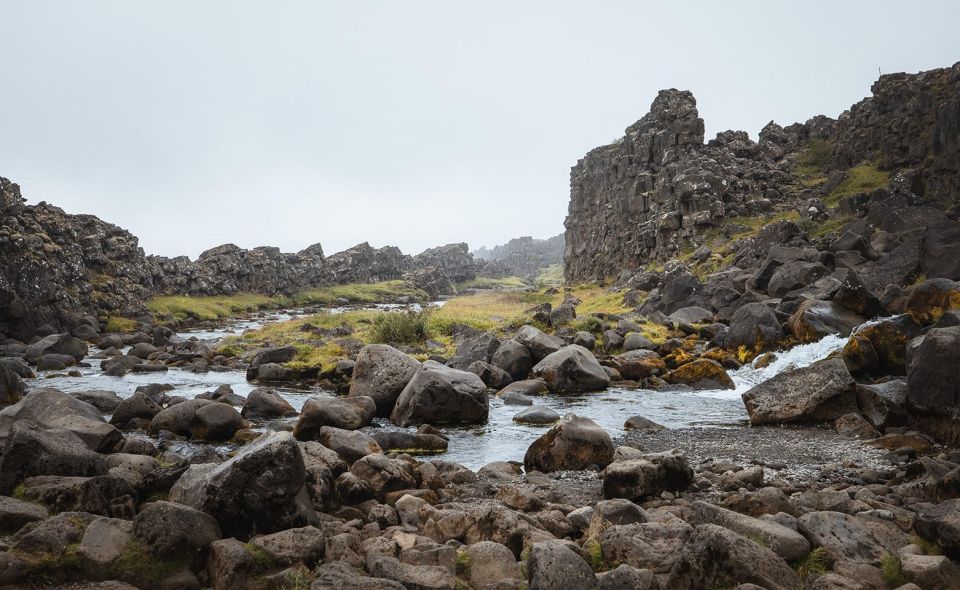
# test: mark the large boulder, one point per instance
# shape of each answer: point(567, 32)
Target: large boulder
point(381, 373)
point(216, 422)
point(933, 385)
point(348, 413)
point(784, 541)
point(266, 403)
point(178, 418)
point(438, 394)
point(16, 513)
point(479, 348)
point(514, 358)
point(845, 537)
point(882, 404)
point(815, 319)
point(716, 557)
point(138, 405)
point(795, 274)
point(32, 451)
point(539, 344)
point(260, 490)
point(553, 564)
point(572, 369)
point(701, 374)
point(639, 363)
point(755, 327)
point(940, 523)
point(573, 444)
point(821, 392)
point(350, 445)
point(880, 348)
point(169, 530)
point(929, 300)
point(56, 344)
point(11, 387)
point(384, 475)
point(647, 475)
point(51, 408)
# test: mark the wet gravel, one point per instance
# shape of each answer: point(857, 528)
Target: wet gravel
point(797, 454)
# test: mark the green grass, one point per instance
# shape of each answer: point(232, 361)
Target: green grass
point(487, 283)
point(136, 561)
point(928, 547)
point(550, 275)
point(403, 327)
point(892, 571)
point(816, 563)
point(120, 324)
point(860, 179)
point(261, 557)
point(463, 564)
point(812, 164)
point(386, 291)
point(181, 307)
point(214, 307)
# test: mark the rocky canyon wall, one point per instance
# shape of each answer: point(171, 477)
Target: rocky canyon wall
point(654, 193)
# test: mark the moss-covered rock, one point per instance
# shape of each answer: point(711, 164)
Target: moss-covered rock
point(701, 374)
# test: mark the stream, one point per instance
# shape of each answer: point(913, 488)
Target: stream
point(500, 439)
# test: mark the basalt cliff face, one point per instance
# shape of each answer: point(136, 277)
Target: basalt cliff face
point(656, 192)
point(65, 272)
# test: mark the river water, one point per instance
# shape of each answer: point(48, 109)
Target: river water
point(500, 439)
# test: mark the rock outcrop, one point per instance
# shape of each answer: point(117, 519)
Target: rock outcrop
point(524, 257)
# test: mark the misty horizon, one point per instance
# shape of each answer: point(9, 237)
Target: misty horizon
point(195, 126)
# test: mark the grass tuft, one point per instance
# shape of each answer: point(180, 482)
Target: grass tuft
point(406, 327)
point(816, 563)
point(892, 571)
point(120, 324)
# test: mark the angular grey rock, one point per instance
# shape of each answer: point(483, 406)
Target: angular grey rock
point(821, 392)
point(440, 395)
point(572, 369)
point(381, 373)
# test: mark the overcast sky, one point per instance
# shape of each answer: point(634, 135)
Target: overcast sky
point(409, 123)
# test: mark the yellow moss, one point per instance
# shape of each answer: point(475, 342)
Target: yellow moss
point(120, 324)
point(485, 311)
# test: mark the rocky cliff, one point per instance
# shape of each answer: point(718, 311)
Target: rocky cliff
point(522, 257)
point(656, 192)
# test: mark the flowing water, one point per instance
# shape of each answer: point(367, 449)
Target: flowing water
point(500, 439)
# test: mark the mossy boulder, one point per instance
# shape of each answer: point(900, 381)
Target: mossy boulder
point(880, 348)
point(929, 300)
point(815, 319)
point(701, 374)
point(575, 443)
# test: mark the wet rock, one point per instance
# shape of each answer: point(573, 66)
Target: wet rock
point(171, 530)
point(438, 395)
point(539, 344)
point(409, 442)
point(574, 443)
point(262, 402)
point(536, 415)
point(142, 350)
point(933, 388)
point(500, 470)
point(716, 557)
point(178, 418)
point(822, 391)
point(349, 445)
point(514, 358)
point(56, 344)
point(105, 401)
point(571, 369)
point(11, 387)
point(382, 372)
point(554, 565)
point(350, 413)
point(215, 422)
point(493, 377)
point(639, 364)
point(815, 319)
point(265, 356)
point(138, 405)
point(641, 423)
point(51, 408)
point(528, 387)
point(755, 327)
point(701, 374)
point(273, 373)
point(654, 473)
point(785, 542)
point(880, 348)
point(55, 362)
point(260, 490)
point(513, 398)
